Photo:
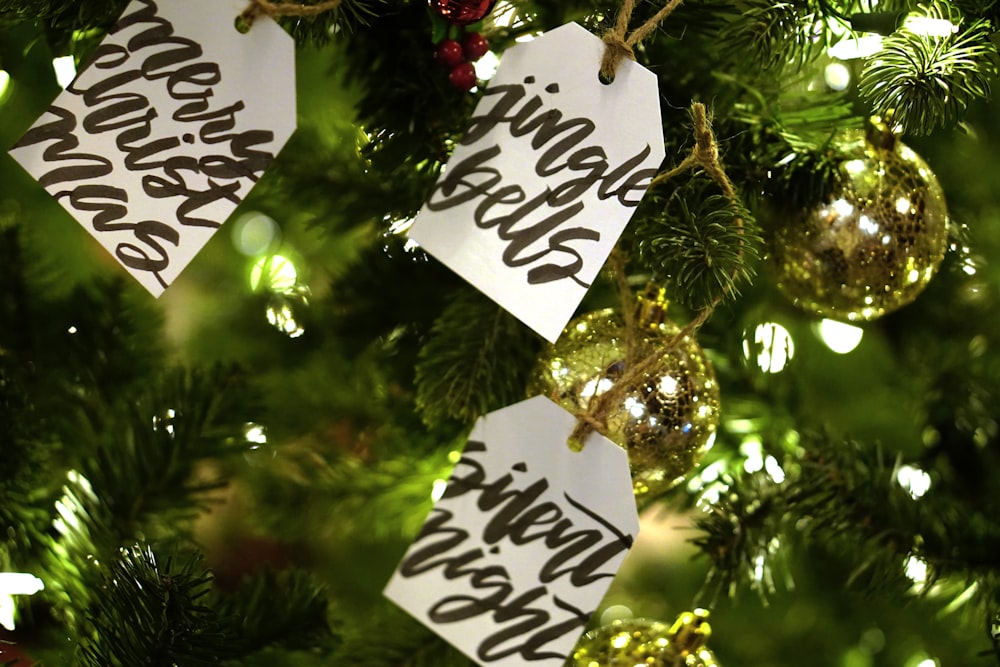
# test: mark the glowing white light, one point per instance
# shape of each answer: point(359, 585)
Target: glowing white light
point(843, 207)
point(930, 27)
point(913, 276)
point(775, 347)
point(855, 167)
point(839, 336)
point(635, 407)
point(867, 225)
point(82, 483)
point(837, 76)
point(255, 433)
point(903, 206)
point(621, 640)
point(668, 385)
point(916, 481)
point(65, 69)
point(856, 47)
point(595, 387)
point(402, 226)
point(254, 233)
point(437, 491)
point(929, 662)
point(916, 569)
point(72, 330)
point(486, 66)
point(7, 609)
point(969, 267)
point(774, 469)
point(4, 84)
point(758, 567)
point(20, 583)
point(283, 320)
point(753, 449)
point(11, 584)
point(275, 272)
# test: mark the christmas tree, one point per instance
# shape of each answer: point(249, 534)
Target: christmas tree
point(230, 473)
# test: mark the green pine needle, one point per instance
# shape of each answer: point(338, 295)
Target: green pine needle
point(154, 615)
point(476, 360)
point(924, 82)
point(701, 245)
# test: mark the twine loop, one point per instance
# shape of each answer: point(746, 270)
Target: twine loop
point(618, 46)
point(275, 9)
point(704, 154)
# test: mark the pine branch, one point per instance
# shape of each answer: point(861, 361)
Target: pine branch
point(150, 614)
point(475, 361)
point(347, 498)
point(394, 638)
point(286, 609)
point(700, 244)
point(775, 35)
point(141, 456)
point(923, 81)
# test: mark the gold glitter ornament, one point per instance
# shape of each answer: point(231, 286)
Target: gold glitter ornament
point(875, 243)
point(667, 419)
point(645, 643)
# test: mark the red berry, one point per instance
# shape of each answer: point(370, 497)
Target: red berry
point(449, 53)
point(463, 76)
point(475, 46)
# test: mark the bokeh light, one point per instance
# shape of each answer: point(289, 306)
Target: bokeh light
point(916, 481)
point(839, 336)
point(273, 272)
point(771, 347)
point(65, 69)
point(255, 233)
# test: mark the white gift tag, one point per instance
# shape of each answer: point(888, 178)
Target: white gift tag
point(166, 130)
point(516, 556)
point(550, 170)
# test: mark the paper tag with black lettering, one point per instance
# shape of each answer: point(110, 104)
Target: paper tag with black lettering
point(166, 130)
point(519, 551)
point(550, 170)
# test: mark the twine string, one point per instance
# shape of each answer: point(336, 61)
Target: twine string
point(274, 9)
point(704, 154)
point(618, 46)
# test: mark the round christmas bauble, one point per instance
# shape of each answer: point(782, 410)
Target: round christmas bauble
point(462, 12)
point(635, 642)
point(874, 243)
point(665, 419)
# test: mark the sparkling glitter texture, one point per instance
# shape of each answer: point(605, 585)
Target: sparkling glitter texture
point(875, 243)
point(644, 643)
point(666, 421)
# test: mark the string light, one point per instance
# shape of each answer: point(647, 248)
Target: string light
point(839, 336)
point(65, 69)
point(11, 584)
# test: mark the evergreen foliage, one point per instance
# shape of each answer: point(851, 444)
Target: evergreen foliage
point(197, 486)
